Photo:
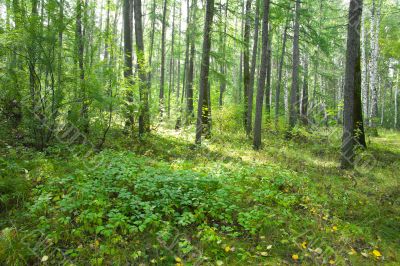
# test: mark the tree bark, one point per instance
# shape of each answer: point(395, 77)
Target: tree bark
point(203, 123)
point(396, 93)
point(162, 74)
point(144, 113)
point(352, 84)
point(253, 70)
point(190, 77)
point(281, 61)
point(246, 63)
point(128, 60)
point(222, 86)
point(261, 81)
point(304, 96)
point(268, 83)
point(293, 107)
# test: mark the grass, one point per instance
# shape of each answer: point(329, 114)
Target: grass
point(164, 201)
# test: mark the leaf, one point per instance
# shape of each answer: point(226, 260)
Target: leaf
point(177, 259)
point(227, 248)
point(331, 262)
point(364, 254)
point(45, 258)
point(264, 254)
point(269, 247)
point(318, 251)
point(376, 253)
point(219, 262)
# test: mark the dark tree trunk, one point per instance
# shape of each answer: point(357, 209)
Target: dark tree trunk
point(144, 113)
point(261, 81)
point(203, 121)
point(253, 70)
point(246, 63)
point(352, 89)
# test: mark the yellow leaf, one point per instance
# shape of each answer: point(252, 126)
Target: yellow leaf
point(227, 248)
point(295, 256)
point(352, 251)
point(331, 262)
point(304, 245)
point(264, 254)
point(334, 228)
point(376, 253)
point(177, 259)
point(269, 246)
point(45, 258)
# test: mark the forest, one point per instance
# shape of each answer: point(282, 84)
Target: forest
point(199, 132)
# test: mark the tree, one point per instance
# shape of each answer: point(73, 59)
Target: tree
point(128, 60)
point(293, 107)
point(262, 77)
point(162, 74)
point(304, 96)
point(144, 112)
point(203, 123)
point(190, 70)
point(253, 69)
point(280, 67)
point(352, 84)
point(246, 63)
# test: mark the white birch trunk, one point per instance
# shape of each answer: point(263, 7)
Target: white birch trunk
point(396, 92)
point(364, 68)
point(375, 24)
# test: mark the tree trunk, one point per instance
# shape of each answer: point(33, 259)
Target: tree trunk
point(171, 63)
point(293, 111)
point(203, 123)
point(375, 24)
point(246, 63)
point(222, 86)
point(304, 96)
point(364, 68)
point(128, 60)
point(281, 61)
point(261, 81)
point(352, 84)
point(152, 32)
point(268, 83)
point(396, 93)
point(144, 113)
point(253, 70)
point(162, 74)
point(190, 75)
point(81, 47)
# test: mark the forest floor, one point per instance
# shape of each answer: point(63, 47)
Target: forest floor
point(165, 201)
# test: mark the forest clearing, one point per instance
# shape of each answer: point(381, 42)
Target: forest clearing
point(199, 132)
